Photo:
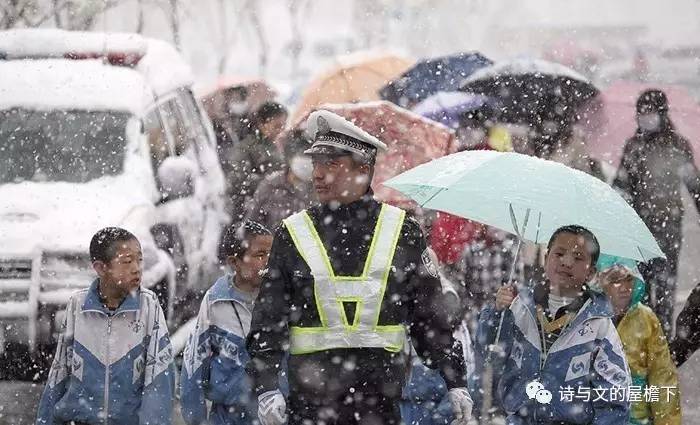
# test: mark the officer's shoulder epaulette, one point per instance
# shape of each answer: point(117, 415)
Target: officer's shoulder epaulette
point(282, 233)
point(411, 225)
point(410, 220)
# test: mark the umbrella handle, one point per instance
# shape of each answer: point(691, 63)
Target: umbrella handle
point(514, 221)
point(515, 261)
point(521, 235)
point(488, 378)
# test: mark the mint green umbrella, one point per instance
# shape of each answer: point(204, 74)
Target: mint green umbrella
point(529, 197)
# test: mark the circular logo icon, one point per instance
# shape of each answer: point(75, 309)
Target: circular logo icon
point(543, 397)
point(533, 388)
point(535, 391)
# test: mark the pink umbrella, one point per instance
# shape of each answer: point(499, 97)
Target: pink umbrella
point(612, 118)
point(216, 97)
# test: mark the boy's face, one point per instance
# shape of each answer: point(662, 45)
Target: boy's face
point(568, 263)
point(123, 271)
point(274, 126)
point(254, 259)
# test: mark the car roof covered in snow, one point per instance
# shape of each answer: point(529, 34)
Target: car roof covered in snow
point(46, 84)
point(161, 65)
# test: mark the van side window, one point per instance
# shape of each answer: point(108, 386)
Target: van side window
point(194, 114)
point(175, 128)
point(183, 122)
point(157, 139)
point(176, 122)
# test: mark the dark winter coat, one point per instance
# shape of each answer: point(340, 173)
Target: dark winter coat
point(687, 339)
point(247, 162)
point(276, 199)
point(413, 297)
point(652, 170)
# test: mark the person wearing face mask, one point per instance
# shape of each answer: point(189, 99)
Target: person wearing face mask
point(284, 192)
point(656, 161)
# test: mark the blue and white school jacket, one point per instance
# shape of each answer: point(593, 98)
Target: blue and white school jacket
point(424, 399)
point(588, 354)
point(111, 367)
point(214, 361)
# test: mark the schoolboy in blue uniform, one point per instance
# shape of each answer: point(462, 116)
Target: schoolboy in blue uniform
point(215, 357)
point(556, 337)
point(114, 361)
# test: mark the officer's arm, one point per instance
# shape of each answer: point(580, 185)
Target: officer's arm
point(269, 332)
point(431, 327)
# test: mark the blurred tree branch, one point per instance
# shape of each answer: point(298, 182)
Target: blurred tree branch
point(251, 6)
point(67, 14)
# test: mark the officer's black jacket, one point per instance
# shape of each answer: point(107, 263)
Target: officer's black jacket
point(413, 298)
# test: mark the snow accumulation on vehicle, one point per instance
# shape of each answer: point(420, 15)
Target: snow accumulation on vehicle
point(89, 123)
point(157, 60)
point(82, 85)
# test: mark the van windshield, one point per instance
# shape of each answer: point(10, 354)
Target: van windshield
point(70, 146)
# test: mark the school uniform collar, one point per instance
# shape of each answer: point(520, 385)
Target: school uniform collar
point(92, 302)
point(541, 298)
point(590, 304)
point(224, 290)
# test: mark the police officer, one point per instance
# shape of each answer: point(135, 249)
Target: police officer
point(346, 281)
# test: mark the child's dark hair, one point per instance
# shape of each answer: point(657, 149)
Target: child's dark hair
point(295, 143)
point(103, 243)
point(591, 241)
point(266, 112)
point(234, 242)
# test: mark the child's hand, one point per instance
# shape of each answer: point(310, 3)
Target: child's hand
point(505, 296)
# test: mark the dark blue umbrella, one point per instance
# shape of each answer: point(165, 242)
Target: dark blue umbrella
point(448, 107)
point(531, 89)
point(431, 76)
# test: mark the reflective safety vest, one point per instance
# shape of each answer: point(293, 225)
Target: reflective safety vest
point(364, 292)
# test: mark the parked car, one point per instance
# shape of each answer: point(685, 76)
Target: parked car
point(99, 130)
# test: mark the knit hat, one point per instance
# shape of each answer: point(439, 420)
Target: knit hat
point(652, 100)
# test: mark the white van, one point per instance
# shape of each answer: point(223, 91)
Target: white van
point(99, 130)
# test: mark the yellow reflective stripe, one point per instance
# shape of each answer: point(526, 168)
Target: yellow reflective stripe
point(324, 254)
point(393, 339)
point(344, 334)
point(290, 227)
point(400, 332)
point(387, 268)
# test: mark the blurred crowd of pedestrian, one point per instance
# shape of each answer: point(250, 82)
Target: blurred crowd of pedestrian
point(270, 178)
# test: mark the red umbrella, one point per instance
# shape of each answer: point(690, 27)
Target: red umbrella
point(612, 120)
point(410, 138)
